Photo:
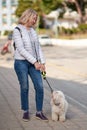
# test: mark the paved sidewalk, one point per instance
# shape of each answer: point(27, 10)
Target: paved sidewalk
point(11, 115)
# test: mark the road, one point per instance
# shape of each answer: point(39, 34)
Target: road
point(68, 67)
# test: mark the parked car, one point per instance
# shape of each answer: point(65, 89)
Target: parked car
point(45, 40)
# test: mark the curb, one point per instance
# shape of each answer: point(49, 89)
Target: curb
point(76, 42)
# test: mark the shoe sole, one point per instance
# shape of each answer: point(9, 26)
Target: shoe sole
point(25, 120)
point(41, 119)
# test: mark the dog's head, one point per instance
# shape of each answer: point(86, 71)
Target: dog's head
point(57, 97)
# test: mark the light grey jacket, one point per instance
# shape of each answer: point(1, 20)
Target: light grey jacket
point(24, 49)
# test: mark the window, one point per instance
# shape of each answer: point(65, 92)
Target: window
point(13, 19)
point(3, 2)
point(13, 2)
point(4, 19)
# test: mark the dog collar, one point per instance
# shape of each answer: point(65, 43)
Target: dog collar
point(57, 104)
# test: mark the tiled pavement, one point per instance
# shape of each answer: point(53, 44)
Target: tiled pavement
point(11, 115)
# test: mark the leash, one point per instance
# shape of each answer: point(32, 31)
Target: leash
point(44, 77)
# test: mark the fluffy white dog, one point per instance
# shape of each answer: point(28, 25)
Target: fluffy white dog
point(59, 106)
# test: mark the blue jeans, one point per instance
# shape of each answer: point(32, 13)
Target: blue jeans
point(23, 68)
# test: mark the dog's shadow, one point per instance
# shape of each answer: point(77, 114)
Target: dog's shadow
point(70, 115)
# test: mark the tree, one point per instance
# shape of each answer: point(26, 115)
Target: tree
point(41, 6)
point(80, 7)
point(46, 6)
point(50, 5)
point(22, 6)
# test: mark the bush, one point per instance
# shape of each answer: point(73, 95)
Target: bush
point(69, 31)
point(83, 27)
point(6, 33)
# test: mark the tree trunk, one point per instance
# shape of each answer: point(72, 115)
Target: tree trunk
point(78, 9)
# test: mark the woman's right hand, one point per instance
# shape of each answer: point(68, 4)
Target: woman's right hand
point(37, 65)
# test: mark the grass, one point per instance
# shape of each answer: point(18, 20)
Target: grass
point(63, 36)
point(73, 36)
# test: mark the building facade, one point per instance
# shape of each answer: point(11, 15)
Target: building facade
point(8, 19)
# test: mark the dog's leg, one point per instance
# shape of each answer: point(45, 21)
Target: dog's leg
point(62, 117)
point(54, 116)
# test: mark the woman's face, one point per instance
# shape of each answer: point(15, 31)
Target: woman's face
point(32, 21)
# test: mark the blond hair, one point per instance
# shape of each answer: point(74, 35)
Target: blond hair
point(27, 16)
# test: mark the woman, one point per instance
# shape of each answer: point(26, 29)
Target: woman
point(29, 60)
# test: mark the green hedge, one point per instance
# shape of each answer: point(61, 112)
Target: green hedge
point(83, 27)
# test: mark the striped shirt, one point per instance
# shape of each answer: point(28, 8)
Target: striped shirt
point(28, 46)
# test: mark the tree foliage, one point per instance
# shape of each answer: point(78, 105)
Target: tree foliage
point(22, 6)
point(41, 6)
point(46, 6)
point(49, 5)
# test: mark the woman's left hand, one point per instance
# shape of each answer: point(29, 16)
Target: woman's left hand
point(43, 69)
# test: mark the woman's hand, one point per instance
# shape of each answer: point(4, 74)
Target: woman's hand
point(43, 69)
point(37, 65)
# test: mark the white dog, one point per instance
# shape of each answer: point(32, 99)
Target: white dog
point(59, 106)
